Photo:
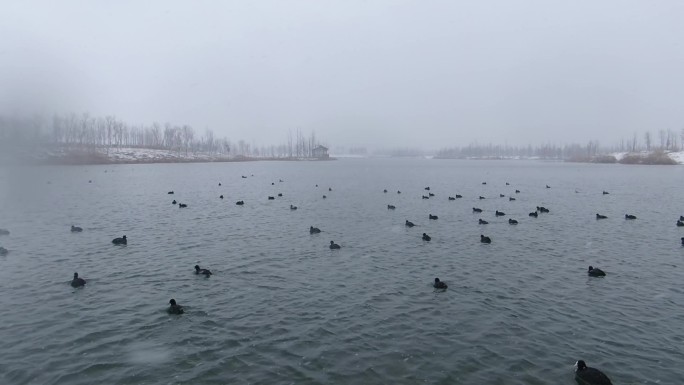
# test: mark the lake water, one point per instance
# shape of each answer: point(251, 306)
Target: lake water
point(282, 308)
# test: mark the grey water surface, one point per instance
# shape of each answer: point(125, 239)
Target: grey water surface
point(282, 308)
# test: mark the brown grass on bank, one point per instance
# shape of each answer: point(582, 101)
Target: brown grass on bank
point(654, 158)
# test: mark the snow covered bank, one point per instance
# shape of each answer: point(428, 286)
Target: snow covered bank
point(649, 157)
point(125, 155)
point(677, 156)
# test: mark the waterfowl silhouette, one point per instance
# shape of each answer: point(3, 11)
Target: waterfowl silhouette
point(481, 197)
point(680, 223)
point(272, 184)
point(682, 242)
point(174, 308)
point(476, 210)
point(434, 217)
point(334, 246)
point(271, 198)
point(629, 216)
point(426, 197)
point(439, 284)
point(482, 222)
point(585, 375)
point(426, 237)
point(219, 183)
point(511, 199)
point(605, 192)
point(517, 191)
point(501, 195)
point(293, 207)
point(542, 209)
point(206, 272)
point(221, 196)
point(329, 188)
point(77, 282)
point(547, 186)
point(324, 196)
point(507, 183)
point(76, 229)
point(499, 213)
point(280, 194)
point(599, 216)
point(431, 194)
point(681, 218)
point(534, 214)
point(459, 196)
point(390, 207)
point(174, 202)
point(182, 205)
point(398, 192)
point(452, 198)
point(314, 230)
point(120, 241)
point(484, 182)
point(428, 188)
point(385, 191)
point(409, 223)
point(240, 203)
point(170, 192)
point(484, 239)
point(244, 177)
point(512, 222)
point(595, 272)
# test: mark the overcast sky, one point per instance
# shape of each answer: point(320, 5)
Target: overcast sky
point(378, 73)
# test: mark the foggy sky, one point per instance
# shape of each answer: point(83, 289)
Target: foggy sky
point(379, 73)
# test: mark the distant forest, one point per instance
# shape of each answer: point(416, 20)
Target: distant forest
point(84, 132)
point(668, 140)
point(88, 133)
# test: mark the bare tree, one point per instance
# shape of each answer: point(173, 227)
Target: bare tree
point(634, 142)
point(188, 135)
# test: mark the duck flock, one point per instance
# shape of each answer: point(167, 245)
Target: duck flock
point(583, 373)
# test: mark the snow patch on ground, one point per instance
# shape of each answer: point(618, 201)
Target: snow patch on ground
point(677, 156)
point(149, 155)
point(129, 154)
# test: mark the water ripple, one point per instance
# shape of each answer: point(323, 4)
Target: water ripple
point(283, 308)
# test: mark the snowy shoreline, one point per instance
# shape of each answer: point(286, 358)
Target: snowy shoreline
point(625, 158)
point(130, 155)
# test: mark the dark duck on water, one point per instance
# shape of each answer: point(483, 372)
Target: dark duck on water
point(585, 375)
point(206, 272)
point(439, 284)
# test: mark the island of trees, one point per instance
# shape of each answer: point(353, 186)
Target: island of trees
point(630, 151)
point(84, 138)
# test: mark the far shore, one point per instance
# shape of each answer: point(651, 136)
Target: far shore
point(80, 161)
point(135, 156)
point(128, 155)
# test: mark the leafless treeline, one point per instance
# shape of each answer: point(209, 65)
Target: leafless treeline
point(85, 131)
point(668, 141)
point(545, 151)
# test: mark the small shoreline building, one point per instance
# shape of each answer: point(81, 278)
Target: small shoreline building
point(320, 152)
